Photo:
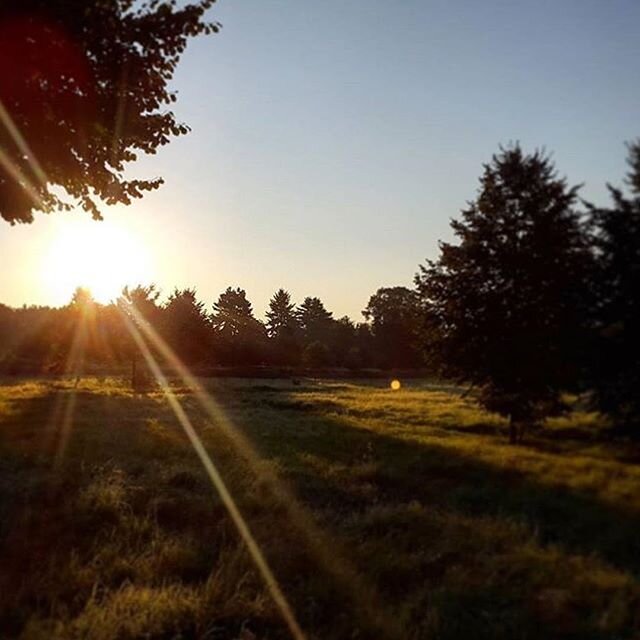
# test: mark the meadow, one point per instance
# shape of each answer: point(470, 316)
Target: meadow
point(383, 514)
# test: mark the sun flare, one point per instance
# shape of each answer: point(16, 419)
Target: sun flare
point(100, 256)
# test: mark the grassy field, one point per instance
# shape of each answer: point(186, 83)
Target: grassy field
point(400, 514)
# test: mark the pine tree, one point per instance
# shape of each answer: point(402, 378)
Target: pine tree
point(187, 326)
point(283, 329)
point(281, 317)
point(615, 368)
point(505, 306)
point(137, 305)
point(315, 321)
point(240, 337)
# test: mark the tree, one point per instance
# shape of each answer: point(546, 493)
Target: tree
point(7, 329)
point(281, 317)
point(232, 312)
point(84, 90)
point(615, 369)
point(364, 352)
point(315, 321)
point(187, 326)
point(241, 338)
point(137, 305)
point(283, 329)
point(33, 338)
point(144, 299)
point(396, 317)
point(342, 343)
point(505, 306)
point(80, 344)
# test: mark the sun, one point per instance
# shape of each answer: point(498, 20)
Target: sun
point(100, 256)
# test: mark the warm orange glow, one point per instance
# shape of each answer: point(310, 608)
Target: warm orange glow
point(215, 477)
point(100, 256)
point(395, 385)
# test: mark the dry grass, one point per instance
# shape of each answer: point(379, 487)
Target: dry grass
point(417, 519)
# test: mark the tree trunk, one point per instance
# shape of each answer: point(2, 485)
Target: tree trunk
point(134, 376)
point(513, 430)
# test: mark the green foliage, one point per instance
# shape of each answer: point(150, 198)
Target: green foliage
point(84, 91)
point(240, 337)
point(615, 368)
point(187, 326)
point(281, 316)
point(315, 321)
point(232, 313)
point(505, 308)
point(395, 314)
point(283, 329)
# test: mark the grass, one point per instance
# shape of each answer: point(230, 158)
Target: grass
point(416, 519)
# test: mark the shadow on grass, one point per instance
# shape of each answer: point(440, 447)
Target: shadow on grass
point(438, 476)
point(171, 498)
point(395, 471)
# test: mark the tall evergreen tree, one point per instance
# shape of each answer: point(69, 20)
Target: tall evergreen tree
point(240, 337)
point(505, 306)
point(232, 312)
point(187, 326)
point(137, 305)
point(615, 370)
point(281, 317)
point(283, 329)
point(315, 321)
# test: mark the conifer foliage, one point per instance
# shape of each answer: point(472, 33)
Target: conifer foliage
point(615, 367)
point(505, 304)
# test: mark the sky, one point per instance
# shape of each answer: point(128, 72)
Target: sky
point(333, 141)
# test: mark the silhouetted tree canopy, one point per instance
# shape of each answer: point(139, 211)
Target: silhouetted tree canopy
point(283, 329)
point(342, 340)
point(84, 90)
point(395, 315)
point(233, 312)
point(136, 306)
point(144, 299)
point(240, 337)
point(315, 321)
point(615, 369)
point(281, 316)
point(505, 305)
point(187, 326)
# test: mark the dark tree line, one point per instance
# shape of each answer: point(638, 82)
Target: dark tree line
point(539, 296)
point(225, 333)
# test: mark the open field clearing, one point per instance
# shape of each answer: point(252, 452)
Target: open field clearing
point(397, 514)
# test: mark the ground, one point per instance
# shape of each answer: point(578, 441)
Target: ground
point(382, 513)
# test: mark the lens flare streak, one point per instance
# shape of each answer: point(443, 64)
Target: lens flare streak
point(219, 484)
point(22, 144)
point(364, 597)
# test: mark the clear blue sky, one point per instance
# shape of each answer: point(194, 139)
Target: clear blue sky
point(332, 141)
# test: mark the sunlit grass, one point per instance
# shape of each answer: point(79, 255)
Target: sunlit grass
point(461, 534)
